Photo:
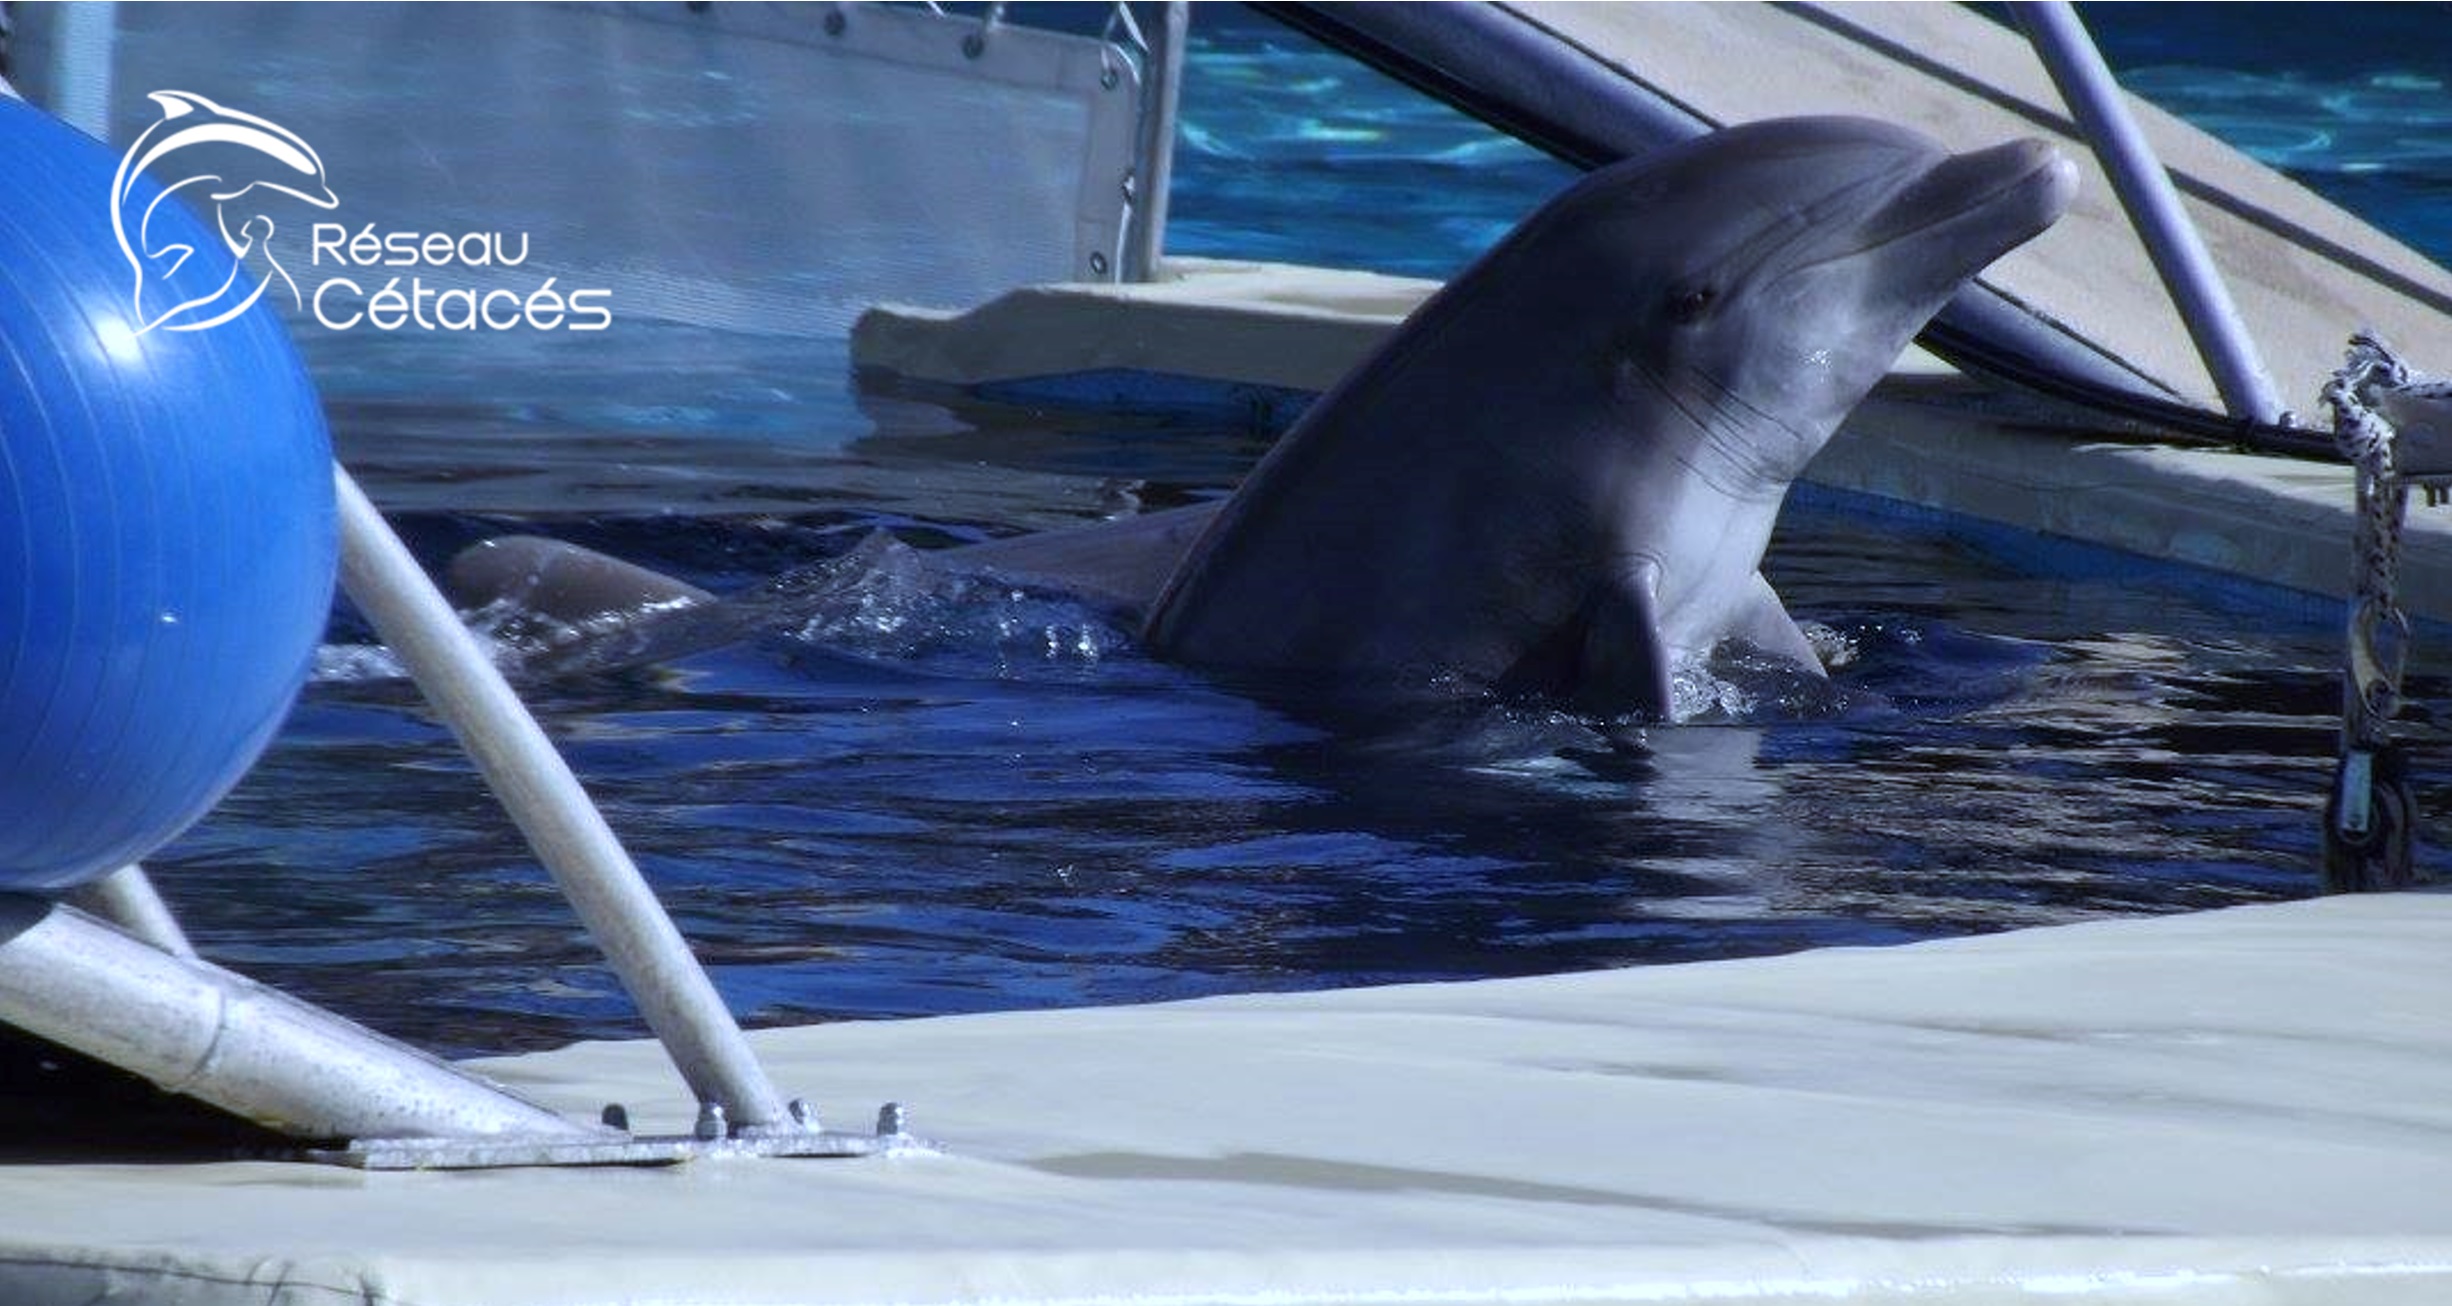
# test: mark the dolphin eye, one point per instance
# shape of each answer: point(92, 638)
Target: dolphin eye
point(1688, 306)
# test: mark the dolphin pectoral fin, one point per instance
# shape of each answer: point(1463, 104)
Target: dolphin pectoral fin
point(1763, 621)
point(1624, 664)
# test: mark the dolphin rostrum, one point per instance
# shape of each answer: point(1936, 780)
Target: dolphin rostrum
point(1560, 474)
point(221, 154)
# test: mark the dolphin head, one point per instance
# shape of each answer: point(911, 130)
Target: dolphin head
point(1765, 277)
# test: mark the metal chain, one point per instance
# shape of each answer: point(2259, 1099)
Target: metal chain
point(2367, 824)
point(2378, 623)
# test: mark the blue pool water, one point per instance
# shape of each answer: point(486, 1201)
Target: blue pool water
point(939, 801)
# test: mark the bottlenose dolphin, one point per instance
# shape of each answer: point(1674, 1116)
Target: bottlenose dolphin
point(223, 154)
point(1562, 474)
point(1559, 475)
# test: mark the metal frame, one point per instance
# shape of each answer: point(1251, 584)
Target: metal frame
point(126, 898)
point(617, 1146)
point(139, 999)
point(136, 996)
point(196, 1029)
point(563, 826)
point(1153, 169)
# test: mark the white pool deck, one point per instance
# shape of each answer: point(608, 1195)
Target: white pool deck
point(2252, 1105)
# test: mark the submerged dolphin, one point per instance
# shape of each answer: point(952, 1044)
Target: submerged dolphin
point(1560, 474)
point(222, 154)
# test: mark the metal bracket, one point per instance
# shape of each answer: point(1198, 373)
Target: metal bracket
point(891, 1138)
point(2421, 415)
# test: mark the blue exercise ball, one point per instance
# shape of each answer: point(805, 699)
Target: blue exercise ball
point(167, 543)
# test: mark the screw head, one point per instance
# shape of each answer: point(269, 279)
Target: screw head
point(1098, 264)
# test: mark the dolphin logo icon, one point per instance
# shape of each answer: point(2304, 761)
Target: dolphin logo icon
point(221, 154)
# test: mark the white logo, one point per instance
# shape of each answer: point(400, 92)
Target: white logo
point(222, 155)
point(226, 153)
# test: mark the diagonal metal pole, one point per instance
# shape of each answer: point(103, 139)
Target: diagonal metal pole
point(562, 824)
point(126, 898)
point(196, 1029)
point(2153, 205)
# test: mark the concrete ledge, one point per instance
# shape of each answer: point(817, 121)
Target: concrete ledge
point(1954, 448)
point(1266, 324)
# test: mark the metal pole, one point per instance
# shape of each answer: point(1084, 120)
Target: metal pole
point(2153, 205)
point(256, 1052)
point(1154, 170)
point(60, 56)
point(126, 898)
point(563, 826)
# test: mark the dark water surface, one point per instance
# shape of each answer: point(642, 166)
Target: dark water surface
point(932, 798)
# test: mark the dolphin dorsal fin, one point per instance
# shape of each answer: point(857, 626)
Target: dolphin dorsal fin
point(175, 104)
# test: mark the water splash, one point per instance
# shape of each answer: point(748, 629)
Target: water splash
point(354, 664)
point(1738, 684)
point(886, 600)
